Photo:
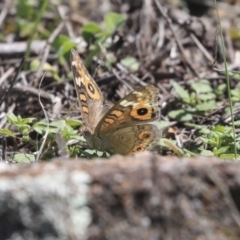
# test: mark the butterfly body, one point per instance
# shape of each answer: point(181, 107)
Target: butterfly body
point(124, 128)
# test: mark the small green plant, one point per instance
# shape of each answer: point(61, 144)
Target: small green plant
point(24, 158)
point(25, 126)
point(96, 36)
point(22, 124)
point(227, 81)
point(235, 95)
point(28, 21)
point(131, 63)
point(200, 99)
point(62, 45)
point(217, 141)
point(221, 141)
point(34, 65)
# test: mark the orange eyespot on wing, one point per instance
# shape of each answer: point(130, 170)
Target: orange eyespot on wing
point(140, 106)
point(146, 136)
point(83, 79)
point(142, 112)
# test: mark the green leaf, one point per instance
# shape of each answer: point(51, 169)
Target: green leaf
point(221, 150)
point(26, 27)
point(206, 96)
point(62, 45)
point(19, 119)
point(22, 126)
point(221, 89)
point(131, 63)
point(12, 118)
point(235, 92)
point(69, 133)
point(66, 47)
point(59, 124)
point(110, 59)
point(181, 92)
point(202, 86)
point(204, 140)
point(212, 142)
point(93, 153)
point(34, 65)
point(41, 127)
point(207, 153)
point(24, 9)
point(163, 142)
point(23, 158)
point(113, 21)
point(205, 131)
point(27, 120)
point(189, 153)
point(210, 105)
point(235, 95)
point(90, 30)
point(237, 123)
point(53, 127)
point(91, 27)
point(219, 128)
point(74, 122)
point(234, 33)
point(6, 132)
point(181, 115)
point(229, 156)
point(162, 124)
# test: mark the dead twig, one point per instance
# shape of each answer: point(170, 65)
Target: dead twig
point(202, 48)
point(7, 74)
point(159, 6)
point(48, 47)
point(12, 82)
point(21, 47)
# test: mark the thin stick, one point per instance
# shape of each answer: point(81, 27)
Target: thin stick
point(12, 82)
point(47, 120)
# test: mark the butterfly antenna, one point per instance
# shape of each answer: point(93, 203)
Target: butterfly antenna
point(13, 81)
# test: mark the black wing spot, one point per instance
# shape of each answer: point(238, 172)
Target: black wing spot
point(142, 111)
point(146, 136)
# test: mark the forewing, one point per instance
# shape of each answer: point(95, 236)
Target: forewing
point(88, 93)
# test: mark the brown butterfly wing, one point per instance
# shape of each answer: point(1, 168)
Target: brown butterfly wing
point(88, 93)
point(119, 130)
point(138, 107)
point(125, 128)
point(131, 139)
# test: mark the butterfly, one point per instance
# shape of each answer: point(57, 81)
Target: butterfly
point(125, 128)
